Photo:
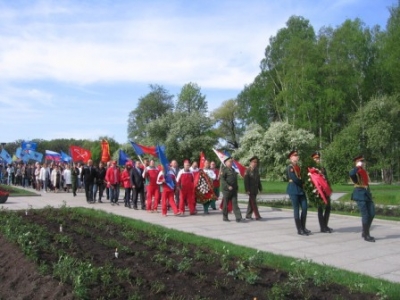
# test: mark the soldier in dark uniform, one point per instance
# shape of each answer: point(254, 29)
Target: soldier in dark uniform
point(362, 195)
point(297, 194)
point(74, 178)
point(323, 216)
point(230, 189)
point(252, 185)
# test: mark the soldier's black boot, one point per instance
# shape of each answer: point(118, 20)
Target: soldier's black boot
point(367, 237)
point(303, 225)
point(326, 217)
point(300, 230)
point(321, 222)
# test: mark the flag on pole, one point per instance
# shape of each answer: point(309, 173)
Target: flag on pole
point(37, 156)
point(164, 162)
point(105, 151)
point(80, 154)
point(65, 157)
point(221, 156)
point(239, 168)
point(6, 156)
point(140, 149)
point(18, 152)
point(123, 158)
point(202, 160)
point(29, 146)
point(52, 155)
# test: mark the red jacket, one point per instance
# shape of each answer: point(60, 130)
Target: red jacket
point(151, 175)
point(126, 178)
point(185, 180)
point(160, 180)
point(216, 182)
point(113, 176)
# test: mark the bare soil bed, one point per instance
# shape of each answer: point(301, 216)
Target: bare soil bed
point(95, 258)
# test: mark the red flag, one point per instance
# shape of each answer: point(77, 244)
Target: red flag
point(105, 151)
point(140, 149)
point(202, 160)
point(239, 168)
point(80, 154)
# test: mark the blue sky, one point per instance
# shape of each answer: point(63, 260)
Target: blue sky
point(75, 69)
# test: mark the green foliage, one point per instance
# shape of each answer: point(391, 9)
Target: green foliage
point(272, 146)
point(150, 107)
point(228, 123)
point(190, 100)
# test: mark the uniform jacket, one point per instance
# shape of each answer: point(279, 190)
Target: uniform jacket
point(228, 178)
point(361, 190)
point(295, 185)
point(252, 181)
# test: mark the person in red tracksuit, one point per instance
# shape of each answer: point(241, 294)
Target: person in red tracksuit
point(185, 182)
point(127, 183)
point(153, 191)
point(168, 194)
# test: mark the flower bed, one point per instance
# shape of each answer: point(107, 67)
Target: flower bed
point(120, 260)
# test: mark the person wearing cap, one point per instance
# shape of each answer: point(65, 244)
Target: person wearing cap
point(127, 183)
point(324, 211)
point(113, 179)
point(185, 182)
point(229, 184)
point(296, 193)
point(362, 195)
point(150, 174)
point(252, 185)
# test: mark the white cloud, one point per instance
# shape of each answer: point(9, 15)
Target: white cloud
point(150, 49)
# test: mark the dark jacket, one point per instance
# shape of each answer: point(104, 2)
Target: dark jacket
point(101, 175)
point(252, 181)
point(229, 178)
point(137, 178)
point(89, 174)
point(295, 185)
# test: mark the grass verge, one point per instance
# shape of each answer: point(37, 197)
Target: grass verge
point(16, 192)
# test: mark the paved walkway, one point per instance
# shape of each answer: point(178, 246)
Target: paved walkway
point(275, 233)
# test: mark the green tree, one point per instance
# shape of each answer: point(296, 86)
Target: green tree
point(272, 146)
point(377, 126)
point(390, 49)
point(228, 123)
point(150, 107)
point(190, 99)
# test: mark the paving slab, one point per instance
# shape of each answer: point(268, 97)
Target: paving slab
point(275, 233)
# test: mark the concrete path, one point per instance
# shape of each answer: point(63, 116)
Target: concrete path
point(275, 233)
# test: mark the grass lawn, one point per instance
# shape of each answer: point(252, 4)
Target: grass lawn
point(16, 192)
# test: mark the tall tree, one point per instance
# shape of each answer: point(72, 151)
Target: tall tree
point(190, 99)
point(391, 46)
point(150, 107)
point(228, 123)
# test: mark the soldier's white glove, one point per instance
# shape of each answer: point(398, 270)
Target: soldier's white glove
point(359, 164)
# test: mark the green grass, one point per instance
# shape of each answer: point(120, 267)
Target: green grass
point(349, 279)
point(380, 197)
point(17, 192)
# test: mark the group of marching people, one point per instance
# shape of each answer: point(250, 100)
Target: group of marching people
point(147, 185)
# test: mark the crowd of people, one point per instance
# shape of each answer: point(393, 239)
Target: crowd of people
point(146, 186)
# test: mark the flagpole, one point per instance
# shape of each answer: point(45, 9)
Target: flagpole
point(141, 160)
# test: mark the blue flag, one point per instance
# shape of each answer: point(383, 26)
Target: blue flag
point(35, 155)
point(29, 146)
point(122, 158)
point(18, 152)
point(4, 155)
point(164, 161)
point(65, 157)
